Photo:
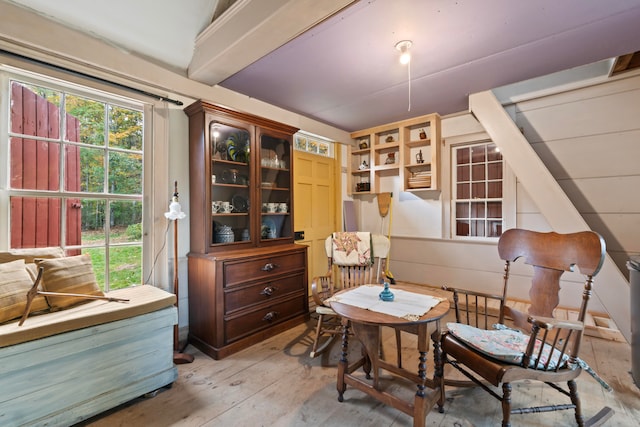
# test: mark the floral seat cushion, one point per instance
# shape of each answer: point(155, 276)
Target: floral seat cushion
point(505, 345)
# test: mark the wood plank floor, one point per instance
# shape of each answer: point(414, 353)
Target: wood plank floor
point(275, 383)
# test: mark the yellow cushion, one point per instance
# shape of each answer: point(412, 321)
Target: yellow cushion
point(71, 275)
point(15, 282)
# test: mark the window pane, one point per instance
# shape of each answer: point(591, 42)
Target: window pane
point(125, 173)
point(90, 169)
point(34, 164)
point(125, 128)
point(495, 189)
point(34, 222)
point(462, 228)
point(463, 156)
point(477, 154)
point(477, 228)
point(494, 209)
point(464, 191)
point(477, 172)
point(462, 210)
point(494, 228)
point(494, 170)
point(125, 266)
point(35, 110)
point(492, 153)
point(87, 122)
point(463, 173)
point(478, 190)
point(126, 221)
point(93, 220)
point(477, 210)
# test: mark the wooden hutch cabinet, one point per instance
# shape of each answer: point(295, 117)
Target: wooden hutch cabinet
point(247, 279)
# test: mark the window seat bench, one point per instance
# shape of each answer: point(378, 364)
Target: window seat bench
point(62, 367)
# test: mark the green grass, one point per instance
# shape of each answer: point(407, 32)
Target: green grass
point(125, 262)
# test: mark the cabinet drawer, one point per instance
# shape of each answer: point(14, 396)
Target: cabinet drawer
point(263, 267)
point(239, 297)
point(239, 326)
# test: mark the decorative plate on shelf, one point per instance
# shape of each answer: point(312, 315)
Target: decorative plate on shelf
point(240, 203)
point(238, 146)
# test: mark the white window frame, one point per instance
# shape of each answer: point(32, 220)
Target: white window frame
point(155, 154)
point(448, 201)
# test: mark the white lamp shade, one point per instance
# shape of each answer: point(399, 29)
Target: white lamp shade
point(175, 211)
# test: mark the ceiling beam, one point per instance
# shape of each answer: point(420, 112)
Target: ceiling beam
point(249, 30)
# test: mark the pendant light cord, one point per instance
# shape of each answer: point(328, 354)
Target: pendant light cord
point(409, 83)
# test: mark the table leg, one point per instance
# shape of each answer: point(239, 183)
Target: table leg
point(438, 363)
point(343, 365)
point(420, 401)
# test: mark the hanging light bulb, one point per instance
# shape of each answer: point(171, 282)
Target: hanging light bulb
point(404, 46)
point(405, 59)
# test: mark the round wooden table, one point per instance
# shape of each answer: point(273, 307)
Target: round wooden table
point(366, 326)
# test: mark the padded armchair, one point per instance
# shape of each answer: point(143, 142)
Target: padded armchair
point(542, 348)
point(346, 276)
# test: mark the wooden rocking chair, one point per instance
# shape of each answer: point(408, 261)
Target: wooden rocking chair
point(323, 288)
point(547, 349)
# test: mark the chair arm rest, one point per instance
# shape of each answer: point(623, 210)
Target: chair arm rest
point(551, 323)
point(321, 285)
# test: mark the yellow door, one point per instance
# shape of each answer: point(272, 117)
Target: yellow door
point(315, 201)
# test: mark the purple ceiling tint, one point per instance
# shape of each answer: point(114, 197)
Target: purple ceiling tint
point(345, 71)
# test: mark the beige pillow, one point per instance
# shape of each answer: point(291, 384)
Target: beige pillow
point(71, 275)
point(29, 254)
point(15, 282)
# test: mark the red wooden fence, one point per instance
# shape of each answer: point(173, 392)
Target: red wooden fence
point(35, 165)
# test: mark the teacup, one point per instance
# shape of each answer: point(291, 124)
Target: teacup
point(283, 207)
point(215, 206)
point(272, 207)
point(226, 207)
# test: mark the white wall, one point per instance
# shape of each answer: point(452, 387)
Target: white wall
point(589, 140)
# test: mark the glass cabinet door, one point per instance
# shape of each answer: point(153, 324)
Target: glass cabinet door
point(230, 184)
point(275, 188)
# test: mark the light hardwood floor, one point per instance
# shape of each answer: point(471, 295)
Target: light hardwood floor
point(275, 383)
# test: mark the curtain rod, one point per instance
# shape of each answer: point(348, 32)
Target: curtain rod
point(94, 78)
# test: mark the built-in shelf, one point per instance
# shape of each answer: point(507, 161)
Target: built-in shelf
point(408, 148)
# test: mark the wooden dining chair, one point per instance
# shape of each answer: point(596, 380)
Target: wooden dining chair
point(538, 347)
point(344, 277)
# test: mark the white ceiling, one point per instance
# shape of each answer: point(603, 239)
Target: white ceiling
point(345, 71)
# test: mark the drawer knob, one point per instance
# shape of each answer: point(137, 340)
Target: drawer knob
point(269, 266)
point(270, 316)
point(268, 291)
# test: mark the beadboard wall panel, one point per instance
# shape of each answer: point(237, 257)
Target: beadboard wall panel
point(588, 139)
